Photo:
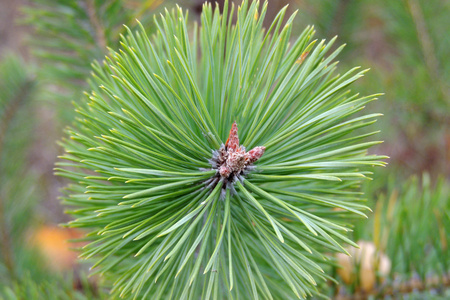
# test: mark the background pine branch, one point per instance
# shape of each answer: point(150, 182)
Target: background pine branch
point(17, 202)
point(410, 228)
point(69, 35)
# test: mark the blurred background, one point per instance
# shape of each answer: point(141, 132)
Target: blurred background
point(46, 47)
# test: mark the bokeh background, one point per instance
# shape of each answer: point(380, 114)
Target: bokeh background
point(46, 47)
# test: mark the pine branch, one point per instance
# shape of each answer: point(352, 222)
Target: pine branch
point(407, 258)
point(68, 36)
point(427, 46)
point(16, 87)
point(94, 20)
point(55, 287)
point(176, 205)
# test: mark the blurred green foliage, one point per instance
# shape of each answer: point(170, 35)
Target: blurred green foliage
point(411, 225)
point(405, 43)
point(67, 36)
point(17, 192)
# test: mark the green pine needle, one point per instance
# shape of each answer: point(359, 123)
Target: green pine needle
point(163, 220)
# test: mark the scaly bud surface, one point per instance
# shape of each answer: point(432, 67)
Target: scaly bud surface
point(232, 161)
